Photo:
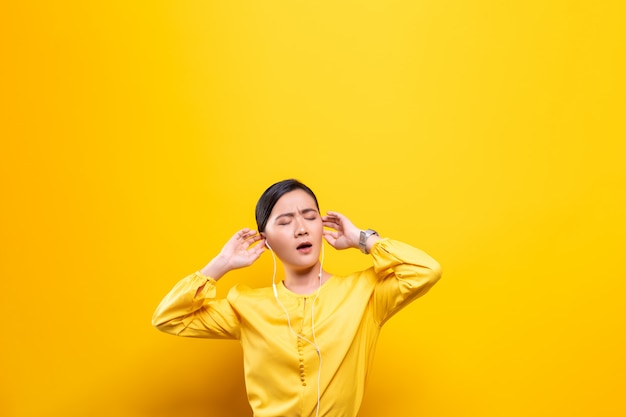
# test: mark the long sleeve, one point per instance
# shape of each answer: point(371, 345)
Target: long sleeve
point(404, 274)
point(339, 323)
point(183, 313)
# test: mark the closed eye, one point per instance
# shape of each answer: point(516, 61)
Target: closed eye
point(285, 218)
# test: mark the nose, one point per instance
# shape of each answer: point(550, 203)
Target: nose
point(300, 229)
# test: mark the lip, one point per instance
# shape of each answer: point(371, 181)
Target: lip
point(304, 249)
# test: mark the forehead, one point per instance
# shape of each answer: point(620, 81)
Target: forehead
point(294, 201)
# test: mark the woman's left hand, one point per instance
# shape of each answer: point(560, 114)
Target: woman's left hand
point(345, 235)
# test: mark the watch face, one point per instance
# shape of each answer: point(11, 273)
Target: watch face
point(362, 241)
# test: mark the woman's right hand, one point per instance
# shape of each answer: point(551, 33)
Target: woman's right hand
point(238, 252)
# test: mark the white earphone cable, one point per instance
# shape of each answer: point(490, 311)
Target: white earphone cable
point(299, 336)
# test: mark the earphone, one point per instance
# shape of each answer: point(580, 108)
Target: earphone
point(299, 336)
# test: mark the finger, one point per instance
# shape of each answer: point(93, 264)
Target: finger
point(254, 238)
point(328, 233)
point(334, 214)
point(332, 241)
point(331, 220)
point(251, 240)
point(248, 237)
point(248, 232)
point(257, 251)
point(345, 223)
point(241, 234)
point(331, 225)
point(340, 218)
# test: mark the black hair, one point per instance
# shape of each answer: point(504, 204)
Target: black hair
point(269, 198)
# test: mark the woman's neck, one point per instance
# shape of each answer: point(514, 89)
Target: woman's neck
point(305, 281)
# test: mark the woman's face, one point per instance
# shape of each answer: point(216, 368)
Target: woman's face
point(294, 230)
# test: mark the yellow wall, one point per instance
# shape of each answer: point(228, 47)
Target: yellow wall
point(136, 139)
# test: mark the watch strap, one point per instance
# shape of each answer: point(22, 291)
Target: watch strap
point(365, 234)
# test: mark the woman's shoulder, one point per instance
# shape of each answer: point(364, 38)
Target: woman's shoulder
point(243, 297)
point(247, 292)
point(361, 277)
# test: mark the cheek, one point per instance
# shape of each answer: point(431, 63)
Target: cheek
point(275, 237)
point(318, 228)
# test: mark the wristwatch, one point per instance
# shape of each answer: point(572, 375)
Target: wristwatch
point(365, 234)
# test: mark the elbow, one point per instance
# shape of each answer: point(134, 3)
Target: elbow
point(156, 323)
point(166, 328)
point(159, 322)
point(435, 273)
point(168, 324)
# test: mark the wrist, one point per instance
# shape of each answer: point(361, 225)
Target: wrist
point(215, 269)
point(367, 238)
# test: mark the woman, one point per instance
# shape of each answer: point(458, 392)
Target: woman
point(309, 340)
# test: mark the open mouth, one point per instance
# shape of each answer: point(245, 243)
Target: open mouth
point(304, 247)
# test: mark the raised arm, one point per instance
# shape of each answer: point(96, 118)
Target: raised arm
point(191, 309)
point(237, 253)
point(404, 273)
point(345, 234)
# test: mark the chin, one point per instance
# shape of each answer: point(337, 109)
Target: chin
point(302, 263)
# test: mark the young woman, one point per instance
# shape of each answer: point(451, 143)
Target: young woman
point(309, 340)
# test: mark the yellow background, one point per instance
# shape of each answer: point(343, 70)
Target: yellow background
point(136, 138)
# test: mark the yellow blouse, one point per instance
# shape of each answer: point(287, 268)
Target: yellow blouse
point(283, 371)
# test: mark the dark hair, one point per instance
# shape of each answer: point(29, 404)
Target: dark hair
point(269, 198)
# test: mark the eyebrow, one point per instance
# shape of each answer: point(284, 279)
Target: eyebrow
point(291, 214)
